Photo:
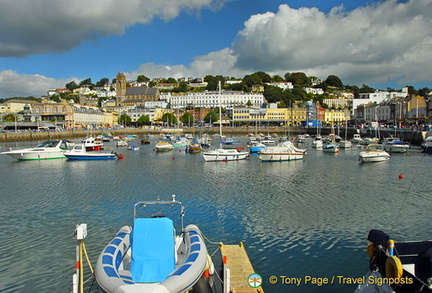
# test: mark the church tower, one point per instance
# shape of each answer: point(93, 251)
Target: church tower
point(120, 88)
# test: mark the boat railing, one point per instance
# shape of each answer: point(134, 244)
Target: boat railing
point(144, 204)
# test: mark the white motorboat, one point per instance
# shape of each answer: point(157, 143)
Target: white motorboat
point(150, 257)
point(396, 266)
point(317, 142)
point(79, 152)
point(121, 143)
point(222, 154)
point(92, 144)
point(285, 151)
point(48, 150)
point(330, 147)
point(345, 144)
point(356, 138)
point(133, 148)
point(394, 145)
point(373, 153)
point(426, 145)
point(164, 146)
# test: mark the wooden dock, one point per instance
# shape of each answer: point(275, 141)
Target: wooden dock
point(237, 268)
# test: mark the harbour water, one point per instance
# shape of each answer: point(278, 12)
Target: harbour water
point(304, 219)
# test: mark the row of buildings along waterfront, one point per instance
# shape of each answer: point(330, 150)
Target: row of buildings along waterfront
point(391, 108)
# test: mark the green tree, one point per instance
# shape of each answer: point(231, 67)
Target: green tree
point(298, 78)
point(212, 84)
point(366, 89)
point(142, 78)
point(277, 78)
point(169, 118)
point(124, 119)
point(182, 87)
point(71, 85)
point(9, 117)
point(87, 82)
point(143, 120)
point(101, 83)
point(211, 117)
point(187, 119)
point(333, 80)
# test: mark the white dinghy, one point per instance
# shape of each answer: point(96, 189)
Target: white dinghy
point(150, 257)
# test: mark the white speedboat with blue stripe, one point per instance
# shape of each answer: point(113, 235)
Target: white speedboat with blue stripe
point(150, 257)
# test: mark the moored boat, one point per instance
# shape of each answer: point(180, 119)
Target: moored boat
point(79, 152)
point(373, 153)
point(222, 154)
point(285, 151)
point(92, 144)
point(150, 257)
point(426, 145)
point(330, 146)
point(397, 266)
point(194, 148)
point(164, 146)
point(133, 148)
point(48, 150)
point(394, 145)
point(121, 143)
point(356, 138)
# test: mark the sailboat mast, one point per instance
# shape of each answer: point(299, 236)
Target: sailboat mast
point(220, 110)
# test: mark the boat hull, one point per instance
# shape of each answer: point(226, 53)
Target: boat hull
point(35, 155)
point(371, 158)
point(223, 155)
point(90, 157)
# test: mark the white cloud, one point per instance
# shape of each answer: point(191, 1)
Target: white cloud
point(369, 44)
point(375, 44)
point(32, 27)
point(384, 42)
point(13, 84)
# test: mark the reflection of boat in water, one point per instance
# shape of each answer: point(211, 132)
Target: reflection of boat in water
point(397, 266)
point(285, 151)
point(373, 153)
point(79, 152)
point(48, 150)
point(150, 257)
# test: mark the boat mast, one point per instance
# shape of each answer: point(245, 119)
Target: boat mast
point(220, 110)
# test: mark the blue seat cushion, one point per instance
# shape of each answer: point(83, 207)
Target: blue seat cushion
point(153, 249)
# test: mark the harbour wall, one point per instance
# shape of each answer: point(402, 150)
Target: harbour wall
point(412, 137)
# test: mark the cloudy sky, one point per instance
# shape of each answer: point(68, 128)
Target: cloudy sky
point(45, 44)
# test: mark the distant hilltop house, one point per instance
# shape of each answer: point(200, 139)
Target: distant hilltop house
point(134, 96)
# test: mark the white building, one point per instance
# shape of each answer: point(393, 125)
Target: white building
point(377, 97)
point(285, 85)
point(212, 99)
point(315, 91)
point(137, 112)
point(88, 116)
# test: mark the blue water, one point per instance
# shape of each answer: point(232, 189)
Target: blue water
point(299, 219)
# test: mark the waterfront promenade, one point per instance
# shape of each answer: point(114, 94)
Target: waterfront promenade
point(413, 137)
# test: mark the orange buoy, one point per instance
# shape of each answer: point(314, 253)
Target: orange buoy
point(400, 176)
point(173, 158)
point(121, 157)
